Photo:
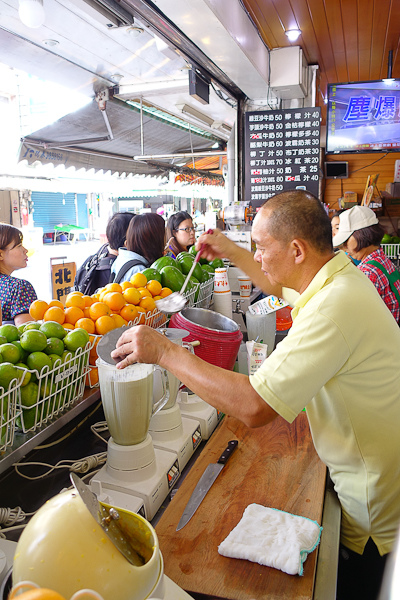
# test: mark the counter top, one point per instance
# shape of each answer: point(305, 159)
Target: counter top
point(275, 466)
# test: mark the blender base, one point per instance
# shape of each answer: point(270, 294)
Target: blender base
point(193, 407)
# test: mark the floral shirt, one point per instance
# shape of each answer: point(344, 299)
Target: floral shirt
point(16, 296)
point(380, 280)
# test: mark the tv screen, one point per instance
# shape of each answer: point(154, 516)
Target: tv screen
point(363, 117)
point(336, 170)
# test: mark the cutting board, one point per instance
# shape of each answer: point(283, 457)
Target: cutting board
point(274, 466)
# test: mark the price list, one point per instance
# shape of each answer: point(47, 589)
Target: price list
point(281, 152)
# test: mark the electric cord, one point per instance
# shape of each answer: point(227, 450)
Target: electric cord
point(76, 466)
point(9, 517)
point(98, 428)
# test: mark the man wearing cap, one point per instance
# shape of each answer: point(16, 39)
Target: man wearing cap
point(360, 235)
point(339, 361)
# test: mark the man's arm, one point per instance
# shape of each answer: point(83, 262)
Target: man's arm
point(219, 246)
point(225, 390)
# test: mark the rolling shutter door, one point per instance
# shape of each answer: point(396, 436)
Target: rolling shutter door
point(50, 209)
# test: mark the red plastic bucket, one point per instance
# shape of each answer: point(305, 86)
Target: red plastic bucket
point(219, 336)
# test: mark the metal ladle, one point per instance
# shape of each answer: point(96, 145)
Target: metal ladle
point(176, 301)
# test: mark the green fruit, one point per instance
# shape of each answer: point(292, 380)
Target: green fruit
point(76, 338)
point(53, 329)
point(208, 268)
point(164, 261)
point(29, 397)
point(3, 339)
point(172, 278)
point(10, 332)
point(21, 328)
point(152, 274)
point(10, 353)
point(33, 340)
point(36, 361)
point(54, 346)
point(31, 325)
point(192, 250)
point(182, 254)
point(217, 263)
point(56, 360)
point(25, 375)
point(386, 239)
point(395, 239)
point(207, 274)
point(195, 284)
point(23, 353)
point(8, 372)
point(46, 389)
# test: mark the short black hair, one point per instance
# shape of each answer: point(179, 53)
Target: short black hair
point(368, 236)
point(9, 235)
point(116, 229)
point(175, 220)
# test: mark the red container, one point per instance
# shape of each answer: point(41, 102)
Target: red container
point(219, 336)
point(283, 318)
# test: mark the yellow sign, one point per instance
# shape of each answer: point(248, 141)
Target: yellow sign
point(62, 278)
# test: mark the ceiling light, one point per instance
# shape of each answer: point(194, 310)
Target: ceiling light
point(51, 42)
point(135, 31)
point(293, 34)
point(186, 109)
point(31, 13)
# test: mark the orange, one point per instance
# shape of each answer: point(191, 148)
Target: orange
point(119, 321)
point(142, 315)
point(104, 324)
point(129, 312)
point(157, 298)
point(132, 295)
point(54, 314)
point(93, 356)
point(37, 309)
point(92, 378)
point(86, 312)
point(56, 303)
point(145, 293)
point(96, 297)
point(126, 284)
point(35, 593)
point(88, 300)
point(113, 287)
point(87, 324)
point(114, 300)
point(75, 300)
point(154, 287)
point(148, 304)
point(139, 280)
point(68, 326)
point(72, 314)
point(99, 309)
point(102, 295)
point(165, 292)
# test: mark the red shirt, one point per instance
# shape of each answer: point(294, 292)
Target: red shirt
point(380, 280)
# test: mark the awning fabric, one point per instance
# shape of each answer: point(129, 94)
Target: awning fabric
point(113, 155)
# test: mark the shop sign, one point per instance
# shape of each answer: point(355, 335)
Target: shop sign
point(62, 278)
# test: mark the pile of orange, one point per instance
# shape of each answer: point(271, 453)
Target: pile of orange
point(113, 306)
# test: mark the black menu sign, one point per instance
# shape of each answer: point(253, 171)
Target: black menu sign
point(281, 152)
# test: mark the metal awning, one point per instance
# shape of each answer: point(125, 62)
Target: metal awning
point(90, 139)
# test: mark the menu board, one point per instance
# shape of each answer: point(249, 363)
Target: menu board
point(281, 152)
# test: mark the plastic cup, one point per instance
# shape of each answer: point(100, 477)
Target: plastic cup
point(244, 286)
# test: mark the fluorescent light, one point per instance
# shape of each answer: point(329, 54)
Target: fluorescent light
point(293, 34)
point(186, 109)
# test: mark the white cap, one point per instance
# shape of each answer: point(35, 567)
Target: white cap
point(352, 220)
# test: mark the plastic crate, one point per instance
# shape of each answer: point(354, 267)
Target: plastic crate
point(9, 411)
point(54, 391)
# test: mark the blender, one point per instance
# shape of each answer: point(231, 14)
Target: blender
point(137, 476)
point(169, 430)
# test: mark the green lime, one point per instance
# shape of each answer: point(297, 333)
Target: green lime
point(33, 341)
point(66, 356)
point(24, 375)
point(53, 329)
point(3, 339)
point(162, 262)
point(54, 358)
point(21, 328)
point(10, 332)
point(8, 372)
point(38, 360)
point(209, 268)
point(76, 338)
point(46, 389)
point(23, 353)
point(54, 346)
point(172, 278)
point(152, 274)
point(10, 353)
point(217, 263)
point(31, 325)
point(29, 394)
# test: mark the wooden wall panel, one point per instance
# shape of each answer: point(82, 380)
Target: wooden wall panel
point(360, 166)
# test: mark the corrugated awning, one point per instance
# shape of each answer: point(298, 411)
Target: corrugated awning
point(82, 140)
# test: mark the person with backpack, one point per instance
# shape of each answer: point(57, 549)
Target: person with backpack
point(95, 272)
point(145, 240)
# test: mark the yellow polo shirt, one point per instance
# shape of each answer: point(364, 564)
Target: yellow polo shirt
point(341, 360)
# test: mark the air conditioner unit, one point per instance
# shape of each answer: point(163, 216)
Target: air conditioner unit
point(288, 73)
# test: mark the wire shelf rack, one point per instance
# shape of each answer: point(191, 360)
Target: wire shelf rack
point(9, 412)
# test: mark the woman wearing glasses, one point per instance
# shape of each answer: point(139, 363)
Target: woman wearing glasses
point(180, 233)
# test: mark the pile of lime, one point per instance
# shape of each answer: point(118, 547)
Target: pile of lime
point(27, 354)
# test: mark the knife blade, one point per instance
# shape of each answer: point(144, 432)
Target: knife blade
point(204, 484)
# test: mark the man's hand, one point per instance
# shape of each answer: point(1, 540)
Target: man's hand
point(217, 245)
point(140, 344)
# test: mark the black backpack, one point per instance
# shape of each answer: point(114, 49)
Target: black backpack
point(95, 271)
point(116, 278)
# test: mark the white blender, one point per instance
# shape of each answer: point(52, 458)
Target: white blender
point(137, 476)
point(193, 407)
point(169, 430)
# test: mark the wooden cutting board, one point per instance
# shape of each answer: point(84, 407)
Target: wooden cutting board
point(275, 466)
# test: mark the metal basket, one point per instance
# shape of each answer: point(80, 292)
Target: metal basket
point(56, 390)
point(9, 411)
point(205, 296)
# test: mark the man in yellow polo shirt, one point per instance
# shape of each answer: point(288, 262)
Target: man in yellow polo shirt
point(339, 360)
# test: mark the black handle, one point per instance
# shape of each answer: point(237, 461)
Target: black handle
point(232, 445)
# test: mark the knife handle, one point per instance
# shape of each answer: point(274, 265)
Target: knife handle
point(232, 445)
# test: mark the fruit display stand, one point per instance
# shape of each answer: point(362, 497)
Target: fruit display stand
point(205, 295)
point(9, 412)
point(392, 251)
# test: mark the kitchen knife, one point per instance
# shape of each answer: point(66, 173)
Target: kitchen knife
point(205, 482)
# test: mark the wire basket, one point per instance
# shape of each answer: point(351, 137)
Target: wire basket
point(205, 296)
point(392, 251)
point(52, 391)
point(9, 411)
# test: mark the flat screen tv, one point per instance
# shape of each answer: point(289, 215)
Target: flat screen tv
point(363, 116)
point(336, 170)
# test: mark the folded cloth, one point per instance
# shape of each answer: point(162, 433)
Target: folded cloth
point(273, 538)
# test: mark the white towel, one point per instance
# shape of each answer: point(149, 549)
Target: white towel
point(273, 538)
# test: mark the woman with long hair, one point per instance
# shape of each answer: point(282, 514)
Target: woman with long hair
point(180, 233)
point(16, 295)
point(145, 240)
